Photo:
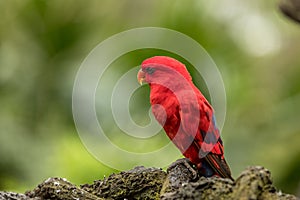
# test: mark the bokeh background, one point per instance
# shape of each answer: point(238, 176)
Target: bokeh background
point(42, 44)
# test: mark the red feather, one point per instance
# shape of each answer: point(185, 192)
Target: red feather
point(187, 118)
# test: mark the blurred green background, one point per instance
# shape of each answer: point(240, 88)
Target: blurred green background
point(42, 44)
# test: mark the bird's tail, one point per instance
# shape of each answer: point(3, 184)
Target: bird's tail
point(219, 165)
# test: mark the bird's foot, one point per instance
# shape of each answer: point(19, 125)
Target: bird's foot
point(186, 163)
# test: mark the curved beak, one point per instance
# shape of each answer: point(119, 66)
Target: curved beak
point(141, 77)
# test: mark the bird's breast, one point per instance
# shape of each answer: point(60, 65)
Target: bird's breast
point(166, 112)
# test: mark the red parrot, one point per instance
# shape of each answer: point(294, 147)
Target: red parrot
point(185, 114)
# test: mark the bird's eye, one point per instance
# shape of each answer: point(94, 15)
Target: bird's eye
point(149, 70)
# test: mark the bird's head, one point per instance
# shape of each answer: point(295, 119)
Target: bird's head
point(161, 69)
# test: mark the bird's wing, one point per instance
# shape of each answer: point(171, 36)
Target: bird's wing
point(207, 138)
point(197, 122)
point(189, 112)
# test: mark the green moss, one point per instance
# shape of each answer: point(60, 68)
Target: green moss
point(138, 183)
point(180, 182)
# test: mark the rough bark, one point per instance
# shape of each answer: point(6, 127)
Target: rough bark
point(60, 189)
point(138, 183)
point(179, 182)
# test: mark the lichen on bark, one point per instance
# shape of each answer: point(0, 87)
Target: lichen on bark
point(181, 181)
point(253, 183)
point(60, 189)
point(138, 183)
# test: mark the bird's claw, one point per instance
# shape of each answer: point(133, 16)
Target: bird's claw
point(187, 164)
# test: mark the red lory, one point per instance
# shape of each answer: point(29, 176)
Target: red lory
point(185, 114)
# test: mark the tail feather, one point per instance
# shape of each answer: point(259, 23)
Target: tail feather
point(219, 165)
